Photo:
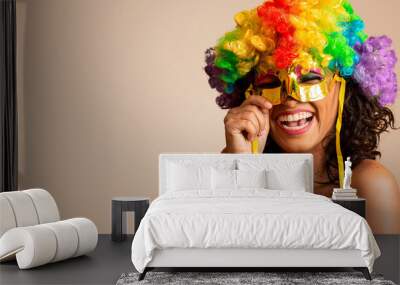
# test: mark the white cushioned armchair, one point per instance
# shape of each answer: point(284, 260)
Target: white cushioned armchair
point(31, 230)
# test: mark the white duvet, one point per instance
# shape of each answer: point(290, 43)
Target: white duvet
point(250, 218)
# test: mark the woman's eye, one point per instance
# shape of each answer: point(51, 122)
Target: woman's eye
point(269, 82)
point(270, 85)
point(311, 78)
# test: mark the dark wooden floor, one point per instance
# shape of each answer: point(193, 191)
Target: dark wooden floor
point(111, 259)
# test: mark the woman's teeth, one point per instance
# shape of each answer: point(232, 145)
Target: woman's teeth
point(295, 121)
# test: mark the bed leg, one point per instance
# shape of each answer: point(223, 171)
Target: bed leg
point(143, 274)
point(364, 271)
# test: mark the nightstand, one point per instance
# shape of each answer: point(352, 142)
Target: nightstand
point(120, 205)
point(355, 205)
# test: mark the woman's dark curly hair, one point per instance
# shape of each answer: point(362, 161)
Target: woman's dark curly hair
point(364, 120)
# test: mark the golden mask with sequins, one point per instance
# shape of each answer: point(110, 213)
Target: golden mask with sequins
point(277, 86)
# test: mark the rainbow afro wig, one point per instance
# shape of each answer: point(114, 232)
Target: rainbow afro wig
point(312, 34)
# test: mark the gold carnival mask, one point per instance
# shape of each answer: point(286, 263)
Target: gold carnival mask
point(275, 87)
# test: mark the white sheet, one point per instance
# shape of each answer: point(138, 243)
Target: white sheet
point(250, 218)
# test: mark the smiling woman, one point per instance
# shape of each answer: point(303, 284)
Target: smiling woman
point(323, 88)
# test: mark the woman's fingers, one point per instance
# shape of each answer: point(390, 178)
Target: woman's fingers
point(236, 124)
point(259, 101)
point(247, 122)
point(252, 118)
point(258, 114)
point(248, 126)
point(251, 112)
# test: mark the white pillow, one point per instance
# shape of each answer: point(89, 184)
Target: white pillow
point(220, 163)
point(292, 179)
point(251, 178)
point(284, 174)
point(188, 177)
point(266, 163)
point(223, 179)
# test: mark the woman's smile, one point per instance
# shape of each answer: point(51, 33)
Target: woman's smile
point(295, 122)
point(300, 127)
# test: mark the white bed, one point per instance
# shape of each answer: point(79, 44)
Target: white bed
point(200, 223)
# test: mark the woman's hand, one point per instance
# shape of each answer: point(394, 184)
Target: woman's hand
point(245, 123)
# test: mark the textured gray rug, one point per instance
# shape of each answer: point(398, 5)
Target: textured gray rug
point(231, 278)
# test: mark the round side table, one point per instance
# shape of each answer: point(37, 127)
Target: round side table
point(120, 205)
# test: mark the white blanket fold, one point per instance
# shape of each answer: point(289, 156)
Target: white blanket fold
point(250, 218)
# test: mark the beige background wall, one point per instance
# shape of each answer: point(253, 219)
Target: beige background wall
point(104, 86)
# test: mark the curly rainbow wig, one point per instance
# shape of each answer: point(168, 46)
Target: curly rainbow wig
point(313, 34)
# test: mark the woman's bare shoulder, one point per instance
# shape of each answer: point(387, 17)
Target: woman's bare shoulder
point(379, 187)
point(370, 173)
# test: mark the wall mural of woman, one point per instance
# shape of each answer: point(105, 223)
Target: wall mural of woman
point(326, 87)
